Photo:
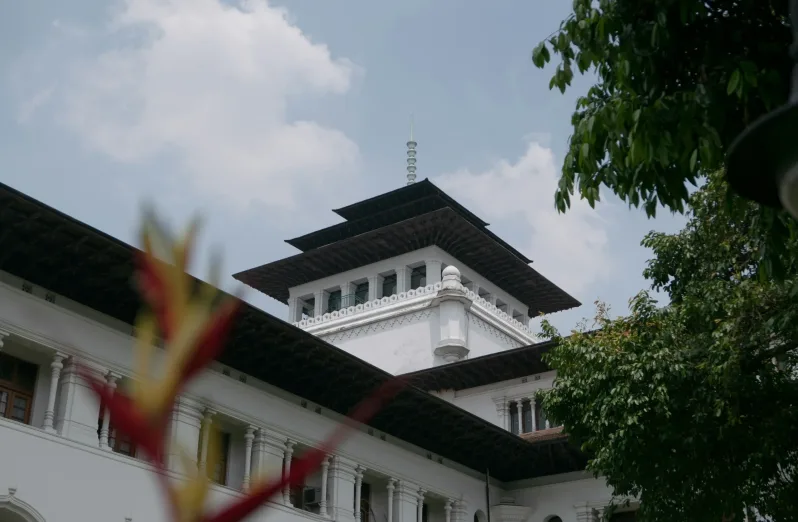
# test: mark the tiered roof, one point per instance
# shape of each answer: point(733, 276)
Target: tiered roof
point(401, 221)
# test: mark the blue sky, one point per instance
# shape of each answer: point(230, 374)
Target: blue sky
point(264, 116)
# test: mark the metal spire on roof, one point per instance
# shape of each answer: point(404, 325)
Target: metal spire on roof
point(411, 156)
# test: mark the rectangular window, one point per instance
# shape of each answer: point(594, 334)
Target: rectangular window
point(540, 415)
point(308, 308)
point(217, 470)
point(527, 414)
point(17, 382)
point(361, 293)
point(514, 418)
point(418, 277)
point(334, 301)
point(365, 502)
point(389, 285)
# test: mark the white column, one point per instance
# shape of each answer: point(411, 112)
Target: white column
point(55, 373)
point(433, 271)
point(406, 502)
point(3, 335)
point(391, 488)
point(111, 378)
point(492, 299)
point(268, 454)
point(342, 474)
point(207, 420)
point(79, 409)
point(347, 288)
point(249, 436)
point(358, 485)
point(520, 406)
point(503, 412)
point(420, 515)
point(184, 435)
point(403, 279)
point(375, 287)
point(325, 470)
point(294, 309)
point(289, 452)
point(320, 307)
point(447, 508)
point(534, 420)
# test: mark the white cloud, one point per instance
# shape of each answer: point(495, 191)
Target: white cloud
point(569, 249)
point(210, 84)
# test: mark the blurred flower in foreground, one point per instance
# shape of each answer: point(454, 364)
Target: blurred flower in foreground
point(193, 321)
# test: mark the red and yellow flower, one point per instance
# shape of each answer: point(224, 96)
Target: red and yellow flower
point(193, 320)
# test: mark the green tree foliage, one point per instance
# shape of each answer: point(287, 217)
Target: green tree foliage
point(693, 408)
point(677, 82)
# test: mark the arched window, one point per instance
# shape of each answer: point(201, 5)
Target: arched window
point(12, 509)
point(554, 518)
point(479, 516)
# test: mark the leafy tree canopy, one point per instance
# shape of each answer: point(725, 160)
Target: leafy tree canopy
point(678, 80)
point(693, 408)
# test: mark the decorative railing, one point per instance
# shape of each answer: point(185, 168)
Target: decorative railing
point(346, 301)
point(428, 290)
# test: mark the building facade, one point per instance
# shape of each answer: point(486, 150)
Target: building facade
point(412, 272)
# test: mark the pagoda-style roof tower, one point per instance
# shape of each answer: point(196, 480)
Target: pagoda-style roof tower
point(410, 279)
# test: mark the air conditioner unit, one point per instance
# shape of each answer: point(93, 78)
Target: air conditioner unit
point(311, 496)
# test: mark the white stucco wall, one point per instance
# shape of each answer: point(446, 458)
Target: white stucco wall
point(397, 344)
point(484, 338)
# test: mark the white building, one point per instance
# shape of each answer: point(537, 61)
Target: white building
point(410, 272)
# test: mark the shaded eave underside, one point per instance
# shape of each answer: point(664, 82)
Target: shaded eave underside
point(54, 251)
point(444, 228)
point(481, 371)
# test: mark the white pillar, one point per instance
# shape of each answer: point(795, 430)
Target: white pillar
point(320, 307)
point(249, 436)
point(358, 485)
point(391, 488)
point(420, 515)
point(375, 287)
point(406, 502)
point(294, 309)
point(111, 378)
point(452, 345)
point(207, 420)
point(533, 408)
point(447, 508)
point(325, 470)
point(3, 335)
point(289, 452)
point(184, 435)
point(55, 374)
point(268, 454)
point(433, 271)
point(503, 412)
point(520, 406)
point(403, 279)
point(79, 408)
point(342, 475)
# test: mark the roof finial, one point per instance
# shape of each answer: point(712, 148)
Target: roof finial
point(411, 156)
